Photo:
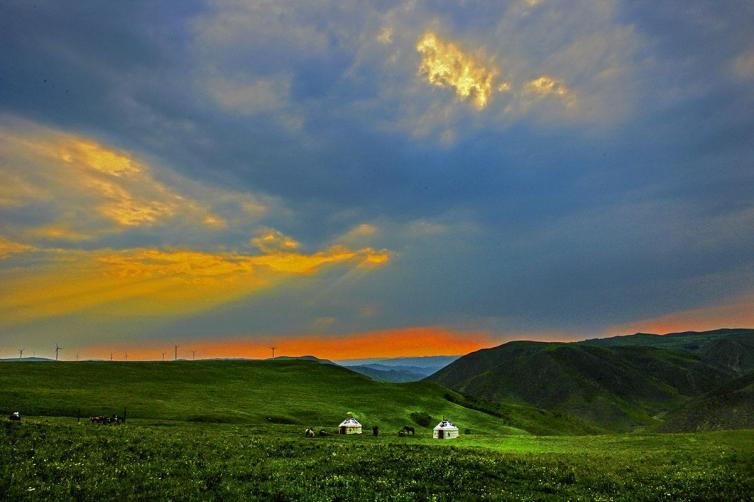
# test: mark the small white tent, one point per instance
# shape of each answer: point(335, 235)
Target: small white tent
point(349, 426)
point(445, 430)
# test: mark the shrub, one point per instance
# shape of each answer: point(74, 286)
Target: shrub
point(421, 418)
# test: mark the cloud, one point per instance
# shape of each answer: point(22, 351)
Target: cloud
point(545, 85)
point(59, 185)
point(8, 248)
point(444, 64)
point(743, 65)
point(271, 240)
point(157, 282)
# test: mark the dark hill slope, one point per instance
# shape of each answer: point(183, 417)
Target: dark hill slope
point(728, 407)
point(616, 387)
point(731, 349)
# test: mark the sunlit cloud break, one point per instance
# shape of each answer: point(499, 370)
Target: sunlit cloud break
point(148, 281)
point(443, 64)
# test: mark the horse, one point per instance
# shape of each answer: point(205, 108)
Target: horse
point(15, 416)
point(375, 431)
point(407, 429)
point(323, 433)
point(309, 432)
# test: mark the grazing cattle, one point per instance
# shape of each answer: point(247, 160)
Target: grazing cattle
point(323, 433)
point(408, 430)
point(103, 420)
point(309, 432)
point(375, 431)
point(15, 416)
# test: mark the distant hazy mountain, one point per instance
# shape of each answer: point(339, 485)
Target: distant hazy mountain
point(619, 383)
point(302, 358)
point(397, 374)
point(424, 366)
point(26, 359)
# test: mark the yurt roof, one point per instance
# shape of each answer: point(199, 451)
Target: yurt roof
point(446, 425)
point(350, 422)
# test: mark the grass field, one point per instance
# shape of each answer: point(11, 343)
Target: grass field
point(249, 392)
point(58, 459)
point(203, 431)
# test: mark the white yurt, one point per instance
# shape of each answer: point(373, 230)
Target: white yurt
point(349, 426)
point(445, 430)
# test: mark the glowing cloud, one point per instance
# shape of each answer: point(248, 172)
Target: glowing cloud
point(89, 188)
point(545, 85)
point(8, 248)
point(445, 65)
point(271, 240)
point(136, 282)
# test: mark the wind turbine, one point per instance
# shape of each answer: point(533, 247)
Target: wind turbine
point(20, 353)
point(193, 355)
point(273, 351)
point(58, 348)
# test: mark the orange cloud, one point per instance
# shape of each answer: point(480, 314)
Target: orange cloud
point(270, 240)
point(156, 282)
point(738, 312)
point(8, 248)
point(403, 342)
point(95, 189)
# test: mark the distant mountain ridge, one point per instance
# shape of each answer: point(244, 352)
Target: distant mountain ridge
point(398, 369)
point(397, 374)
point(619, 383)
point(27, 360)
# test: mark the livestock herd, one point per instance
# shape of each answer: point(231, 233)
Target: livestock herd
point(406, 431)
point(104, 420)
point(99, 419)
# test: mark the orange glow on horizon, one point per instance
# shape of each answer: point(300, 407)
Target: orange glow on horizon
point(404, 342)
point(738, 313)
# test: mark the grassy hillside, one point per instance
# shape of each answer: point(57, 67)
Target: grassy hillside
point(731, 349)
point(616, 387)
point(728, 407)
point(248, 392)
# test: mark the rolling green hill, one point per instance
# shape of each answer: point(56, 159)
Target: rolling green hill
point(731, 349)
point(253, 392)
point(621, 384)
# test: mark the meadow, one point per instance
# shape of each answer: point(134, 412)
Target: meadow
point(184, 450)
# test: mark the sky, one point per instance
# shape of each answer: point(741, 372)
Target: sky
point(371, 179)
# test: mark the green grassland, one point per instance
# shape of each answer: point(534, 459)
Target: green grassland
point(253, 392)
point(58, 459)
point(233, 430)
